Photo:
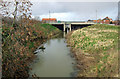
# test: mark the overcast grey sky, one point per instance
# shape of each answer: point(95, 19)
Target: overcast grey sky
point(75, 11)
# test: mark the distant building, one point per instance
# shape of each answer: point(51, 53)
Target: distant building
point(95, 21)
point(49, 20)
point(106, 20)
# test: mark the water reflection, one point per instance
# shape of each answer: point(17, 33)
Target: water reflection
point(64, 34)
point(55, 61)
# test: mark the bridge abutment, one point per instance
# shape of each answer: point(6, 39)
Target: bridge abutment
point(70, 27)
point(64, 27)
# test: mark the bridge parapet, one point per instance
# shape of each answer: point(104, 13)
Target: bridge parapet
point(83, 23)
point(56, 23)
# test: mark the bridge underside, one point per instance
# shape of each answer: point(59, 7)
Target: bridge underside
point(79, 26)
point(59, 26)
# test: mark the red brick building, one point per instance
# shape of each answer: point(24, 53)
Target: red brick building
point(107, 20)
point(49, 20)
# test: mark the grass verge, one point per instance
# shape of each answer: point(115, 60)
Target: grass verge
point(96, 50)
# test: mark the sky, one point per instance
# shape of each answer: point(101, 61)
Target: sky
point(75, 10)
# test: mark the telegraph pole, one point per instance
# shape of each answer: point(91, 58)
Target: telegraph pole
point(119, 13)
point(49, 16)
point(96, 16)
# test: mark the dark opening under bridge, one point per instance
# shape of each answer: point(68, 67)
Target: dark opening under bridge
point(71, 25)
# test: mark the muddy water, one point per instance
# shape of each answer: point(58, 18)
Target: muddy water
point(54, 61)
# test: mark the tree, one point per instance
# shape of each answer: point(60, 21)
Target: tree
point(18, 39)
point(16, 9)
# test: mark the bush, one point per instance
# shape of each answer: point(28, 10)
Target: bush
point(18, 44)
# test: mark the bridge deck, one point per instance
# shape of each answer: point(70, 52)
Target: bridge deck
point(71, 24)
point(82, 23)
point(86, 23)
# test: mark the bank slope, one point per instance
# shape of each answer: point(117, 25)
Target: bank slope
point(96, 50)
point(18, 44)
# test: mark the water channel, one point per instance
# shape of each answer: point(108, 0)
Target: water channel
point(55, 60)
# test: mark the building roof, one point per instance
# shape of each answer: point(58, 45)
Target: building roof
point(49, 19)
point(107, 18)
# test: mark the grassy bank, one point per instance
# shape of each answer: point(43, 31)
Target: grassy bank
point(96, 50)
point(18, 44)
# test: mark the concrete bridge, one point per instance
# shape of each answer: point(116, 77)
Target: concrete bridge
point(71, 25)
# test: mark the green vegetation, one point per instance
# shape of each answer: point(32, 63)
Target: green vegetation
point(21, 35)
point(18, 45)
point(47, 29)
point(96, 48)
